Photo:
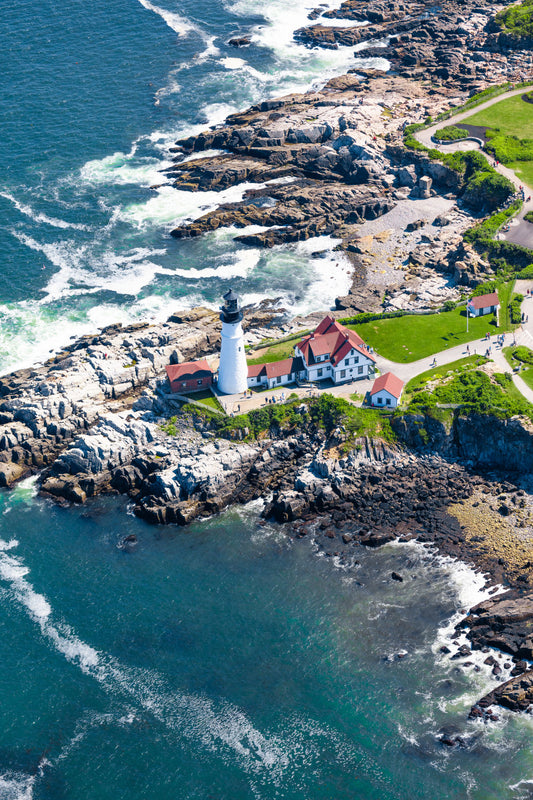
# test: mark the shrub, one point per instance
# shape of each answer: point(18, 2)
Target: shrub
point(451, 133)
point(509, 148)
point(523, 354)
point(525, 273)
point(517, 19)
point(485, 288)
point(484, 231)
point(487, 191)
point(529, 216)
point(515, 312)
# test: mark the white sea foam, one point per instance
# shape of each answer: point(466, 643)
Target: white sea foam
point(297, 66)
point(124, 169)
point(16, 786)
point(169, 206)
point(184, 27)
point(329, 22)
point(39, 217)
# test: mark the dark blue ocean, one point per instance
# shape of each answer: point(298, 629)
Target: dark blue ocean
point(227, 660)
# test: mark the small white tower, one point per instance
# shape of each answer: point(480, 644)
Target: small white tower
point(232, 370)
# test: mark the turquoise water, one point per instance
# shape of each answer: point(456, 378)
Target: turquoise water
point(229, 661)
point(225, 660)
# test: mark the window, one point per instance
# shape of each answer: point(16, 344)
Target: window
point(343, 373)
point(319, 373)
point(356, 360)
point(199, 382)
point(278, 379)
point(360, 370)
point(387, 401)
point(380, 400)
point(184, 384)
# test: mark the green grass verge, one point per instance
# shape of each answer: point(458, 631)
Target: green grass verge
point(409, 338)
point(520, 358)
point(207, 399)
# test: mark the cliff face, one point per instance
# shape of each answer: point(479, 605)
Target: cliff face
point(484, 442)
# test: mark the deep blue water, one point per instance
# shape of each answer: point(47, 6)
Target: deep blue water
point(225, 660)
point(229, 661)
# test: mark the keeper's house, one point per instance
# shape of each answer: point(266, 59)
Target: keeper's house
point(484, 304)
point(386, 391)
point(191, 376)
point(331, 352)
point(335, 352)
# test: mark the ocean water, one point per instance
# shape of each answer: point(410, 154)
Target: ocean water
point(93, 96)
point(231, 661)
point(225, 660)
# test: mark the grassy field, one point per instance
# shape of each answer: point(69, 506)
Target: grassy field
point(512, 117)
point(405, 339)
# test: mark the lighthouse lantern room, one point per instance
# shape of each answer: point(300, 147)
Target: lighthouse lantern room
point(232, 370)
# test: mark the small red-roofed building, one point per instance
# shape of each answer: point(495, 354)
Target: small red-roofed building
point(277, 373)
point(386, 391)
point(191, 376)
point(484, 304)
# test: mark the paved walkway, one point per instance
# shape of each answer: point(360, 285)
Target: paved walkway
point(520, 231)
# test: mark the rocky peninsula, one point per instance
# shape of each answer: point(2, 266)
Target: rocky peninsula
point(95, 418)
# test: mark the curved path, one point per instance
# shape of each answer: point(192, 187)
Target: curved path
point(521, 233)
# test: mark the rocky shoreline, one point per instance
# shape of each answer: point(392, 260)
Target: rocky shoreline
point(95, 418)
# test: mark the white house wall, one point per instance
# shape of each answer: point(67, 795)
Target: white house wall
point(384, 396)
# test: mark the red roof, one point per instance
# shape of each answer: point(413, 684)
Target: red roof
point(485, 301)
point(388, 382)
point(188, 370)
point(334, 340)
point(255, 370)
point(276, 368)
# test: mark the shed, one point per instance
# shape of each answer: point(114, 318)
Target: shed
point(386, 391)
point(484, 304)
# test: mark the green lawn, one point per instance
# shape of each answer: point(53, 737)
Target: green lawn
point(406, 339)
point(277, 351)
point(207, 399)
point(505, 293)
point(512, 116)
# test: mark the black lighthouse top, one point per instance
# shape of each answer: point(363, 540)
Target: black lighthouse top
point(230, 311)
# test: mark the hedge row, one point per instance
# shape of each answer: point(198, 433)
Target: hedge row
point(488, 228)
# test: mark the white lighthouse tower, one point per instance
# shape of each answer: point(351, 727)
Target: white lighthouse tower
point(232, 370)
